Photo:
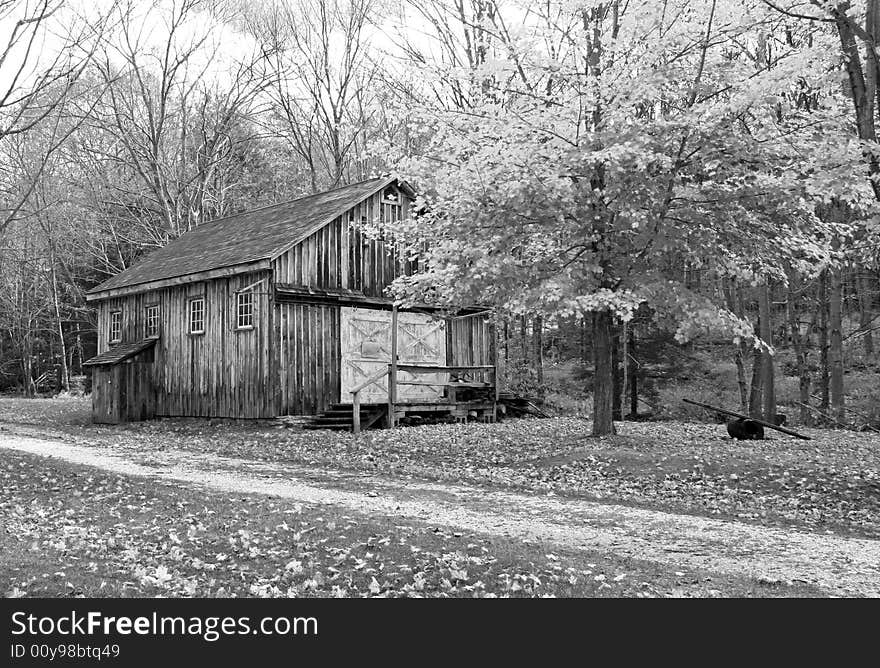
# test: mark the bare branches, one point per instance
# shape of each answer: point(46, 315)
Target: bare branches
point(169, 111)
point(322, 83)
point(795, 14)
point(44, 53)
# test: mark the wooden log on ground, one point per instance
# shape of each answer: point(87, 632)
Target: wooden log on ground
point(747, 417)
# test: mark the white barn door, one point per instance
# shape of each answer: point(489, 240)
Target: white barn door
point(366, 350)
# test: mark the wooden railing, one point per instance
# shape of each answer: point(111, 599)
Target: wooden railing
point(356, 397)
point(460, 377)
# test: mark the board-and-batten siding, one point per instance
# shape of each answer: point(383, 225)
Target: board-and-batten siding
point(306, 354)
point(290, 363)
point(222, 373)
point(307, 337)
point(123, 392)
point(341, 255)
point(470, 341)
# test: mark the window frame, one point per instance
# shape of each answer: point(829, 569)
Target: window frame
point(395, 195)
point(118, 328)
point(147, 312)
point(238, 310)
point(189, 315)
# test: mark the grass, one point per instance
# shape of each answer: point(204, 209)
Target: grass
point(74, 531)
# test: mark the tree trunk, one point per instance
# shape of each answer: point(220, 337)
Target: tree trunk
point(739, 360)
point(768, 385)
point(835, 351)
point(616, 385)
point(859, 87)
point(865, 317)
point(538, 348)
point(27, 376)
point(755, 386)
point(734, 303)
point(800, 348)
point(583, 341)
point(506, 345)
point(77, 346)
point(633, 373)
point(524, 339)
point(65, 370)
point(603, 375)
point(824, 376)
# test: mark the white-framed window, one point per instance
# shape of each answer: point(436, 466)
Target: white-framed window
point(115, 326)
point(197, 315)
point(244, 310)
point(151, 320)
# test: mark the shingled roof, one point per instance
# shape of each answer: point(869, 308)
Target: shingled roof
point(122, 352)
point(245, 237)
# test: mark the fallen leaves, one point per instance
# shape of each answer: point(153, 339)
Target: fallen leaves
point(154, 539)
point(121, 536)
point(830, 482)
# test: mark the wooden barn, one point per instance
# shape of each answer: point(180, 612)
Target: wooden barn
point(283, 311)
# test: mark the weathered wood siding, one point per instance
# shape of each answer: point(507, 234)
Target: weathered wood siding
point(122, 393)
point(307, 336)
point(470, 341)
point(290, 362)
point(341, 255)
point(224, 372)
point(306, 354)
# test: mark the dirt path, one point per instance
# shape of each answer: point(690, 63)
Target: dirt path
point(841, 566)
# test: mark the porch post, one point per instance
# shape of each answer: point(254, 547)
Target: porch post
point(356, 412)
point(392, 369)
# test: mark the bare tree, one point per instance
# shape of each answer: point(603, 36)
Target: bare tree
point(173, 116)
point(42, 57)
point(323, 92)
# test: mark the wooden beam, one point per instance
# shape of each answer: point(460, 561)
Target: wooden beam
point(369, 381)
point(427, 368)
point(444, 384)
point(290, 292)
point(746, 417)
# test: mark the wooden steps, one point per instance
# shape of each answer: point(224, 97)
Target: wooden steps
point(339, 417)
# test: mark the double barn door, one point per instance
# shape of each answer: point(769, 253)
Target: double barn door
point(366, 349)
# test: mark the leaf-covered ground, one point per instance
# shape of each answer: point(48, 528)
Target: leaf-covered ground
point(78, 531)
point(831, 483)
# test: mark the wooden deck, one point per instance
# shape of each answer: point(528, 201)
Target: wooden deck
point(470, 391)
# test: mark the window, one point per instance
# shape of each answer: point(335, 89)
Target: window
point(391, 196)
point(197, 315)
point(151, 320)
point(115, 326)
point(245, 310)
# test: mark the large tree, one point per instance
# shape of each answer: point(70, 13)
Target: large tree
point(583, 182)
